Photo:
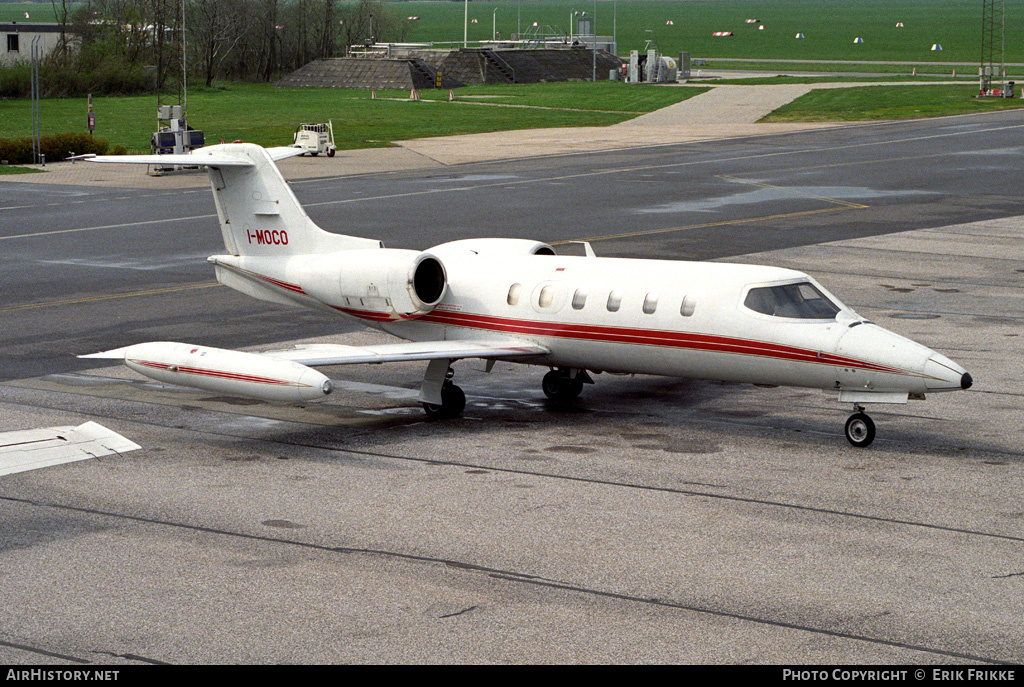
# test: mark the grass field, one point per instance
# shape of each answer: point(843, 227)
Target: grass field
point(359, 122)
point(14, 169)
point(829, 26)
point(888, 102)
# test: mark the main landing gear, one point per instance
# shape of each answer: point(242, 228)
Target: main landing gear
point(860, 429)
point(453, 402)
point(439, 395)
point(563, 385)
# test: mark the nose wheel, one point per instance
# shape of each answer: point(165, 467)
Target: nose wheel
point(860, 429)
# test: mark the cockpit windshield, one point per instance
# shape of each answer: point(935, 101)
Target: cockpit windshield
point(800, 301)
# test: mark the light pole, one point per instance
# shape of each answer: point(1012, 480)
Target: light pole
point(494, 23)
point(593, 74)
point(465, 25)
point(615, 26)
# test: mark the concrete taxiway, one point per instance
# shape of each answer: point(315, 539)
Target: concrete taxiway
point(656, 520)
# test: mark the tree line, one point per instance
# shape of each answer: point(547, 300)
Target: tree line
point(131, 46)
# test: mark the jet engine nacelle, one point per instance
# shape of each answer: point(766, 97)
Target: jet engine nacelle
point(232, 373)
point(494, 247)
point(389, 281)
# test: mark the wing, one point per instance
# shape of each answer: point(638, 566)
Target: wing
point(287, 375)
point(335, 354)
point(31, 449)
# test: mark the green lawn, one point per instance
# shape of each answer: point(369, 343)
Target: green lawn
point(263, 114)
point(829, 26)
point(887, 102)
point(38, 11)
point(14, 169)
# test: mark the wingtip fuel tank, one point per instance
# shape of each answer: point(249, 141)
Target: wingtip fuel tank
point(234, 373)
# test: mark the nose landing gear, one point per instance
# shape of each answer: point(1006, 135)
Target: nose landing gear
point(860, 429)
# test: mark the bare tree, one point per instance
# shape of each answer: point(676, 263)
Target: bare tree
point(62, 11)
point(216, 28)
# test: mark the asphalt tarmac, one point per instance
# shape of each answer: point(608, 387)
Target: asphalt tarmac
point(657, 520)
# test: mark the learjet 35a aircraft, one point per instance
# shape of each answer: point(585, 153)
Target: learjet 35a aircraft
point(515, 300)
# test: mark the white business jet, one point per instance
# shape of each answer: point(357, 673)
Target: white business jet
point(515, 300)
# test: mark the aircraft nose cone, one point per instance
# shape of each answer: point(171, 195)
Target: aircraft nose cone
point(945, 375)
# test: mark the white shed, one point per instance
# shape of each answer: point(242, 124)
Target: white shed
point(16, 40)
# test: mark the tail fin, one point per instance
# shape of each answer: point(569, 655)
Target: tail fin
point(259, 215)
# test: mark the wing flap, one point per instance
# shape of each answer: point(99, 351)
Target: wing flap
point(336, 354)
point(32, 449)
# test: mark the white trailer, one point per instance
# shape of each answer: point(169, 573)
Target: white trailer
point(315, 138)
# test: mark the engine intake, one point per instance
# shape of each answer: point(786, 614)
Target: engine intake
point(385, 281)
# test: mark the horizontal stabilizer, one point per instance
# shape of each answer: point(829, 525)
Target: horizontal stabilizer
point(214, 156)
point(31, 449)
point(194, 159)
point(336, 354)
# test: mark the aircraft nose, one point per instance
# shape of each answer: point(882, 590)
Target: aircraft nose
point(942, 374)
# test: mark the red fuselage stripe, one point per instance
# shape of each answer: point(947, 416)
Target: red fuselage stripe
point(701, 342)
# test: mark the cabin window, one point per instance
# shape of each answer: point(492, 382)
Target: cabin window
point(614, 301)
point(12, 42)
point(513, 293)
point(579, 299)
point(688, 305)
point(798, 301)
point(547, 296)
point(650, 303)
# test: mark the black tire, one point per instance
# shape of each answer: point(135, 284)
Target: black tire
point(433, 410)
point(552, 385)
point(560, 388)
point(453, 402)
point(453, 399)
point(860, 430)
point(330, 153)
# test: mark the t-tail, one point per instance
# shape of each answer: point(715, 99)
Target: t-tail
point(259, 215)
point(276, 253)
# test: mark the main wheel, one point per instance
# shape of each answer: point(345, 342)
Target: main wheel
point(561, 388)
point(860, 430)
point(453, 398)
point(453, 402)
